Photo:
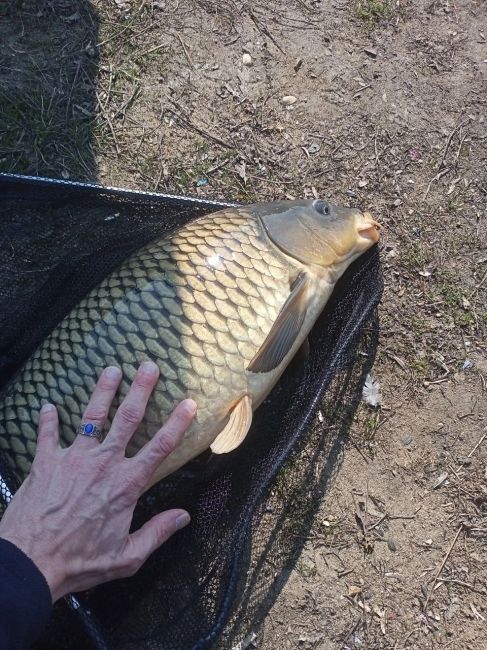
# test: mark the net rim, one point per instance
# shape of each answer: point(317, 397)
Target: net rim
point(114, 190)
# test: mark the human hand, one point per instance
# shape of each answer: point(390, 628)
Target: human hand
point(72, 514)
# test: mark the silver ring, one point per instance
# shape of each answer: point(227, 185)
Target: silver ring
point(91, 431)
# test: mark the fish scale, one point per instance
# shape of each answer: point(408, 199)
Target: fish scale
point(198, 302)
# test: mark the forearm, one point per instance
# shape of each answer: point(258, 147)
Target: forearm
point(25, 599)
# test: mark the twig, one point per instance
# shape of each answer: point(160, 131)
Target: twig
point(447, 146)
point(378, 521)
point(357, 623)
point(361, 90)
point(448, 143)
point(388, 417)
point(359, 450)
point(221, 164)
point(263, 29)
point(477, 287)
point(106, 116)
point(375, 149)
point(187, 122)
point(68, 103)
point(435, 178)
point(186, 53)
point(477, 445)
point(149, 51)
point(459, 582)
point(442, 566)
point(127, 103)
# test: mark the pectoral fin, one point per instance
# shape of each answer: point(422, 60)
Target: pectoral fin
point(285, 330)
point(236, 429)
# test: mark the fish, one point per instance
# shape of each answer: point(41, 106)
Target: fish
point(221, 304)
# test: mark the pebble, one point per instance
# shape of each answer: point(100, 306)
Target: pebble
point(289, 100)
point(370, 52)
point(247, 59)
point(407, 440)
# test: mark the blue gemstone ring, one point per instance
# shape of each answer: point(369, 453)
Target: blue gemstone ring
point(91, 431)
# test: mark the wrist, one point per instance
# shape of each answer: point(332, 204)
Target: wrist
point(53, 574)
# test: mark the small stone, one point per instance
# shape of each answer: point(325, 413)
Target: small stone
point(464, 460)
point(407, 440)
point(363, 183)
point(247, 59)
point(391, 545)
point(289, 100)
point(370, 52)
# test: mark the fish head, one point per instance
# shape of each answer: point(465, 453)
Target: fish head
point(318, 232)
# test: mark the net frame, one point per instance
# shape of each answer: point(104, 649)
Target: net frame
point(11, 185)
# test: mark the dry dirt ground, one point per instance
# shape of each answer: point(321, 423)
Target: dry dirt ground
point(377, 103)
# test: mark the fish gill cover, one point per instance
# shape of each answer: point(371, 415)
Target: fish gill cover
point(252, 509)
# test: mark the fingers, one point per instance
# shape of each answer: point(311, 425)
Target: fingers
point(48, 429)
point(148, 538)
point(132, 409)
point(165, 440)
point(96, 412)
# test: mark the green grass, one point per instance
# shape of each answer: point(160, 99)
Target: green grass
point(47, 98)
point(416, 256)
point(372, 11)
point(40, 135)
point(448, 286)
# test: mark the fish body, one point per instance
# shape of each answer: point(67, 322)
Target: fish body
point(221, 305)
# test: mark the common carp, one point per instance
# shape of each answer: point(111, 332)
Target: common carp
point(222, 304)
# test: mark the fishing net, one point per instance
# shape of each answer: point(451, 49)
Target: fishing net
point(251, 510)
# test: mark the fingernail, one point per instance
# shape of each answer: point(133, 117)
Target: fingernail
point(150, 368)
point(182, 520)
point(46, 408)
point(190, 405)
point(113, 372)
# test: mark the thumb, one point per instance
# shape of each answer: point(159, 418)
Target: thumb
point(156, 531)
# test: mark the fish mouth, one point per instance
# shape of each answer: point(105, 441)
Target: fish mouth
point(368, 228)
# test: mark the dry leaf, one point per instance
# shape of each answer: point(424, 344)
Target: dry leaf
point(440, 480)
point(240, 168)
point(353, 590)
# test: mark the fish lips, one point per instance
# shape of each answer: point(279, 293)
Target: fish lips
point(368, 228)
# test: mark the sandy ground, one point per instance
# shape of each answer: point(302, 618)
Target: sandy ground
point(377, 103)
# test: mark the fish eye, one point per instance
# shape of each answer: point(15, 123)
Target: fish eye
point(321, 207)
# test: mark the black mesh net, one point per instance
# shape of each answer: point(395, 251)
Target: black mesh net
point(251, 509)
